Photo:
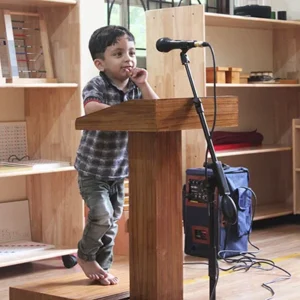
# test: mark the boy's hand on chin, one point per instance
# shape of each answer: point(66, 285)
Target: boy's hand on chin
point(139, 76)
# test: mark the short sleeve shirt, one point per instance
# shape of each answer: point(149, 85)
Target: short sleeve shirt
point(104, 154)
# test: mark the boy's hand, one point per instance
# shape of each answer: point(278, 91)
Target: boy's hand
point(139, 76)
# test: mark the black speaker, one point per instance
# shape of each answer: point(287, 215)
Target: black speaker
point(257, 11)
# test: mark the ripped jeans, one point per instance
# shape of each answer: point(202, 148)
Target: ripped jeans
point(105, 201)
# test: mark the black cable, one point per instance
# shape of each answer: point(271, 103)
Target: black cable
point(215, 104)
point(250, 226)
point(214, 88)
point(109, 10)
point(248, 260)
point(189, 3)
point(13, 157)
point(245, 263)
point(143, 4)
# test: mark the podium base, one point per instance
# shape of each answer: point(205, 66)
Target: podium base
point(72, 287)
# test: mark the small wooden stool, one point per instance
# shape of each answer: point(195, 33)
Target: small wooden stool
point(72, 287)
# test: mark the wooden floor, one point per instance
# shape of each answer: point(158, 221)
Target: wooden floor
point(279, 243)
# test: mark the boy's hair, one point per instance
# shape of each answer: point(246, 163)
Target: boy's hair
point(105, 37)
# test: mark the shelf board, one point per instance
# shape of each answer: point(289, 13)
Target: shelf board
point(213, 19)
point(252, 85)
point(253, 150)
point(30, 256)
point(38, 85)
point(37, 2)
point(272, 210)
point(27, 171)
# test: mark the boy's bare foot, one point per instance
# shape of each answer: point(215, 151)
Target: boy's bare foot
point(92, 269)
point(109, 280)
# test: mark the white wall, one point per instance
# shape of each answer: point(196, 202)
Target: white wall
point(240, 47)
point(91, 18)
point(291, 6)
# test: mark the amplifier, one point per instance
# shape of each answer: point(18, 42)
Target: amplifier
point(233, 238)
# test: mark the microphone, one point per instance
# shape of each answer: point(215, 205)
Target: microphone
point(166, 44)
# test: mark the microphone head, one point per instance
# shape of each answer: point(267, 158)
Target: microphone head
point(163, 45)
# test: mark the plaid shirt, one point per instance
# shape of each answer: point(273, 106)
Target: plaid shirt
point(104, 153)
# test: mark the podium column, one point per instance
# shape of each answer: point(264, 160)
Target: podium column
point(155, 216)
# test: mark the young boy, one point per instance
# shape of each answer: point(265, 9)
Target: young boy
point(102, 159)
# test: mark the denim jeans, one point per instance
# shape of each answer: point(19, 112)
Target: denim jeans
point(105, 201)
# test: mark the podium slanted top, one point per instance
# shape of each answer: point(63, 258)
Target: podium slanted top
point(160, 115)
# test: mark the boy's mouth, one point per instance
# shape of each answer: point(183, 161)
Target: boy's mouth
point(128, 70)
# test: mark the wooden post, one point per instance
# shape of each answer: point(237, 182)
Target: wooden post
point(155, 216)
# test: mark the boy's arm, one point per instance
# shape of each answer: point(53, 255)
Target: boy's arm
point(139, 77)
point(92, 95)
point(94, 106)
point(147, 91)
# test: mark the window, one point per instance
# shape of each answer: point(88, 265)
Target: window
point(115, 15)
point(134, 18)
point(137, 25)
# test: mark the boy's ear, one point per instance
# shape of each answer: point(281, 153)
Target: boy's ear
point(99, 63)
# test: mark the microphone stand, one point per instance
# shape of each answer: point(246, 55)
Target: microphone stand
point(218, 180)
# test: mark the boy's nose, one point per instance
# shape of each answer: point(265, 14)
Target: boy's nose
point(127, 57)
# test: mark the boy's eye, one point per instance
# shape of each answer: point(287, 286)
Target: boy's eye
point(132, 53)
point(118, 54)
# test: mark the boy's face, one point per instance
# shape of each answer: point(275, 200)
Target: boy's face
point(119, 60)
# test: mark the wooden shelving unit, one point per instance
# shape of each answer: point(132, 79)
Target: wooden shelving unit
point(50, 110)
point(260, 44)
point(272, 211)
point(37, 3)
point(19, 172)
point(252, 44)
point(254, 85)
point(34, 256)
point(39, 86)
point(253, 150)
point(296, 165)
point(228, 21)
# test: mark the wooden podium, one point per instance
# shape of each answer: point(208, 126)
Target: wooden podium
point(155, 210)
